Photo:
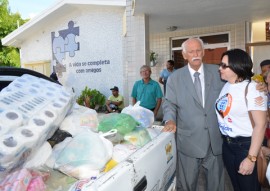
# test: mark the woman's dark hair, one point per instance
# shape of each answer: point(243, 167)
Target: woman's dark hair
point(240, 63)
point(171, 62)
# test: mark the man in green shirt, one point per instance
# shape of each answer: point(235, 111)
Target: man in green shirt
point(147, 91)
point(115, 102)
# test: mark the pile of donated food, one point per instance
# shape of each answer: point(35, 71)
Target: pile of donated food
point(48, 142)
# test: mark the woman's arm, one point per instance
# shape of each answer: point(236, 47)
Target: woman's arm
point(259, 118)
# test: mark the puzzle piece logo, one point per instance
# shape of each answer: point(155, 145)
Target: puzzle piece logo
point(64, 43)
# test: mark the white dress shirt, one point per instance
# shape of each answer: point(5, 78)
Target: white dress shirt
point(192, 71)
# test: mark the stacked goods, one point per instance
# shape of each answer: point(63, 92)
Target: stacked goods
point(31, 110)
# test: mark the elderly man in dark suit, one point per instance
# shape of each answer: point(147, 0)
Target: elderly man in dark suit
point(189, 103)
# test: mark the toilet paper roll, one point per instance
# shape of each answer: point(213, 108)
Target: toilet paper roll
point(3, 130)
point(29, 78)
point(9, 148)
point(63, 100)
point(50, 95)
point(39, 124)
point(11, 118)
point(33, 91)
point(3, 105)
point(16, 85)
point(66, 93)
point(20, 80)
point(16, 147)
point(51, 88)
point(48, 115)
point(27, 135)
point(51, 117)
point(56, 107)
point(5, 91)
point(44, 82)
point(44, 123)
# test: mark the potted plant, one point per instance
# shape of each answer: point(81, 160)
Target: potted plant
point(91, 98)
point(153, 58)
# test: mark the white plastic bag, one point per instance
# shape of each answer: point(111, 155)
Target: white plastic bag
point(85, 155)
point(40, 157)
point(144, 116)
point(80, 117)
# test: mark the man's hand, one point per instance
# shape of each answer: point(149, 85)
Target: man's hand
point(170, 126)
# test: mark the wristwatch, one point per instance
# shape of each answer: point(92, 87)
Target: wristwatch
point(252, 158)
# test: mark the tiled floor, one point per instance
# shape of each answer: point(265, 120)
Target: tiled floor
point(202, 186)
point(228, 185)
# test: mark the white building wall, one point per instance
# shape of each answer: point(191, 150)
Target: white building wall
point(100, 38)
point(135, 48)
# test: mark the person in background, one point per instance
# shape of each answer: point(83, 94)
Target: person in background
point(165, 73)
point(147, 91)
point(265, 66)
point(189, 102)
point(115, 102)
point(242, 140)
point(267, 132)
point(55, 78)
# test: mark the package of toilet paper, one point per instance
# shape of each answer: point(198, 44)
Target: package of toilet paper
point(31, 110)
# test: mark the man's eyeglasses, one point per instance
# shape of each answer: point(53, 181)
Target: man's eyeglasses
point(224, 66)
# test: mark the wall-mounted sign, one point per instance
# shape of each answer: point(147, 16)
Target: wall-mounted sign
point(62, 44)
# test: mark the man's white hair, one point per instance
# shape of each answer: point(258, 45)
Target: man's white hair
point(145, 67)
point(184, 44)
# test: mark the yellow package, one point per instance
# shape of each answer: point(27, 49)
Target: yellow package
point(110, 165)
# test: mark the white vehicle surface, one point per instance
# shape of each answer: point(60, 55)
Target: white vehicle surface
point(151, 167)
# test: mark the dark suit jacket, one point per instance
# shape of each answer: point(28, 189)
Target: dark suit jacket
point(197, 126)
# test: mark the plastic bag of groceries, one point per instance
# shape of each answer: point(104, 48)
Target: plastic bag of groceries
point(79, 117)
point(139, 137)
point(84, 156)
point(122, 122)
point(144, 116)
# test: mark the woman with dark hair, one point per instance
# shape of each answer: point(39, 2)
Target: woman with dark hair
point(237, 100)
